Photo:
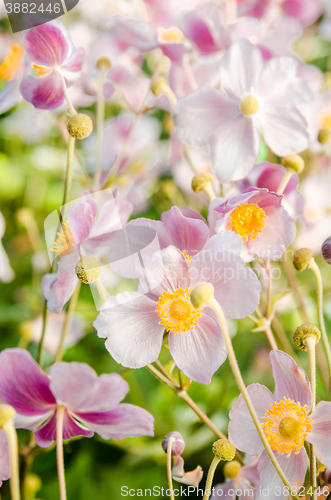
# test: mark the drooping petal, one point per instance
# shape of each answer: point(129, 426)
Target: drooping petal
point(294, 468)
point(242, 431)
point(4, 458)
point(241, 68)
point(46, 434)
point(234, 149)
point(200, 351)
point(66, 281)
point(47, 44)
point(290, 380)
point(320, 436)
point(77, 387)
point(124, 421)
point(202, 112)
point(130, 325)
point(186, 233)
point(10, 95)
point(23, 384)
point(72, 68)
point(44, 92)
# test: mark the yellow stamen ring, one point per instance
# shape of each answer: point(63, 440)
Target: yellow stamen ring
point(65, 242)
point(248, 220)
point(176, 311)
point(286, 426)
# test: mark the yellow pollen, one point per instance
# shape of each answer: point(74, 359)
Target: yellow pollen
point(170, 35)
point(248, 220)
point(187, 257)
point(11, 63)
point(286, 426)
point(176, 311)
point(249, 105)
point(64, 243)
point(40, 69)
point(326, 122)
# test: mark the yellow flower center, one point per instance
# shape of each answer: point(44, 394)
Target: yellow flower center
point(40, 69)
point(64, 243)
point(247, 220)
point(170, 35)
point(187, 257)
point(231, 469)
point(11, 63)
point(326, 122)
point(176, 311)
point(286, 426)
point(249, 105)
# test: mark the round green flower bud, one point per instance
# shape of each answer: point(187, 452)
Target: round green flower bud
point(80, 126)
point(303, 332)
point(324, 136)
point(302, 258)
point(6, 413)
point(199, 181)
point(32, 484)
point(249, 105)
point(87, 270)
point(201, 294)
point(326, 250)
point(224, 450)
point(231, 469)
point(295, 162)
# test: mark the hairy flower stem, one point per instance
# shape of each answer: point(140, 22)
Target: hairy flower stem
point(67, 186)
point(285, 181)
point(100, 125)
point(170, 443)
point(241, 384)
point(10, 431)
point(314, 267)
point(68, 322)
point(101, 289)
point(59, 452)
point(210, 477)
point(41, 343)
point(310, 343)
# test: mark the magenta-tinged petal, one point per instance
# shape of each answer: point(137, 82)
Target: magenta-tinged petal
point(77, 387)
point(187, 234)
point(23, 384)
point(4, 458)
point(234, 149)
point(290, 380)
point(242, 431)
point(198, 31)
point(131, 326)
point(241, 68)
point(201, 113)
point(307, 11)
point(124, 421)
point(44, 92)
point(46, 434)
point(294, 468)
point(200, 351)
point(46, 44)
point(320, 436)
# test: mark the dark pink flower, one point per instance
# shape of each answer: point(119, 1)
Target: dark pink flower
point(92, 403)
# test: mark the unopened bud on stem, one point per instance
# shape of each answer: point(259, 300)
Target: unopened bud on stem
point(201, 294)
point(303, 332)
point(302, 259)
point(80, 126)
point(224, 450)
point(295, 162)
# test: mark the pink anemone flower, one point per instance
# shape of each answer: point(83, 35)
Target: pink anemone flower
point(92, 403)
point(240, 481)
point(287, 423)
point(258, 216)
point(56, 61)
point(134, 322)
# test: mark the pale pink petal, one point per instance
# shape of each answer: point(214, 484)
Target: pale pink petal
point(44, 92)
point(67, 280)
point(46, 44)
point(23, 384)
point(186, 233)
point(123, 421)
point(81, 217)
point(290, 380)
point(242, 431)
point(320, 436)
point(131, 326)
point(201, 113)
point(10, 95)
point(136, 33)
point(4, 458)
point(226, 491)
point(307, 11)
point(77, 386)
point(72, 68)
point(200, 351)
point(241, 68)
point(47, 288)
point(234, 149)
point(46, 434)
point(294, 468)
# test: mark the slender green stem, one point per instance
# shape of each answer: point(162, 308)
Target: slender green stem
point(100, 126)
point(68, 322)
point(59, 452)
point(170, 443)
point(161, 377)
point(316, 270)
point(101, 289)
point(295, 286)
point(67, 186)
point(10, 431)
point(41, 343)
point(270, 337)
point(241, 384)
point(310, 343)
point(269, 297)
point(285, 181)
point(210, 477)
